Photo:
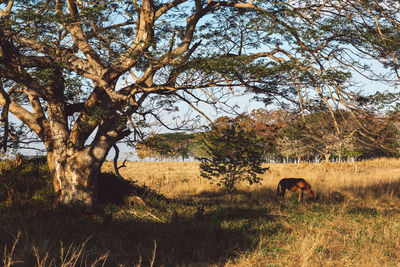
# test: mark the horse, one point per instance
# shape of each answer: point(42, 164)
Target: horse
point(294, 184)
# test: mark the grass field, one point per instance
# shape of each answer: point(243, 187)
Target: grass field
point(182, 179)
point(354, 222)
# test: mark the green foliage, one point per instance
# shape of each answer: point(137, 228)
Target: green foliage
point(234, 153)
point(29, 181)
point(381, 101)
point(196, 147)
point(168, 145)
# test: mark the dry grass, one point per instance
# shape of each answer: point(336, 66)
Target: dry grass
point(368, 179)
point(172, 179)
point(354, 222)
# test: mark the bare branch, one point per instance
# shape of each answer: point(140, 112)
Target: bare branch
point(74, 63)
point(5, 13)
point(116, 168)
point(144, 36)
point(167, 7)
point(192, 106)
point(4, 113)
point(79, 38)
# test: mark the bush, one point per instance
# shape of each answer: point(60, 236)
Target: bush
point(28, 179)
point(233, 153)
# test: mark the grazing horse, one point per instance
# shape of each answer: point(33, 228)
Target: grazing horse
point(294, 184)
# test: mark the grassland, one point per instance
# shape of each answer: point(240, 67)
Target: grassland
point(354, 222)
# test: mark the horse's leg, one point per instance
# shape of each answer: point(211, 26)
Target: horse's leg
point(300, 195)
point(283, 192)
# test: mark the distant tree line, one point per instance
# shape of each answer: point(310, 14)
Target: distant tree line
point(294, 136)
point(167, 146)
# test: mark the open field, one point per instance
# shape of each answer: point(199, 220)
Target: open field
point(182, 179)
point(354, 222)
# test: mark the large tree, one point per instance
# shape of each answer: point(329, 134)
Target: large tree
point(74, 69)
point(82, 75)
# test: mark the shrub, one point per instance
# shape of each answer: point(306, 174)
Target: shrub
point(233, 153)
point(23, 180)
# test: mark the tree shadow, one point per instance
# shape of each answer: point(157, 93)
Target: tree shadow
point(180, 242)
point(187, 235)
point(113, 189)
point(257, 196)
point(334, 197)
point(377, 190)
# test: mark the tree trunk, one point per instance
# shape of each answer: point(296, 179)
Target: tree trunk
point(326, 157)
point(75, 178)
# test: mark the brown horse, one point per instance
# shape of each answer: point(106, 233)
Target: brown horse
point(294, 184)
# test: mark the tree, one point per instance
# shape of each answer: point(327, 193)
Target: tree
point(74, 69)
point(382, 138)
point(268, 125)
point(234, 153)
point(143, 151)
point(370, 31)
point(318, 132)
point(169, 145)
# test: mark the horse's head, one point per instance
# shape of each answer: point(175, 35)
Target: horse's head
point(311, 194)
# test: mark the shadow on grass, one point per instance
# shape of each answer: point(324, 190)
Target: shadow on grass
point(338, 196)
point(179, 242)
point(186, 237)
point(257, 196)
point(376, 190)
point(373, 191)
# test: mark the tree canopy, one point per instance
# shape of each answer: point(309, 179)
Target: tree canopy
point(165, 146)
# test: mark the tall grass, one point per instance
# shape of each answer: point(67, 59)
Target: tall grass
point(363, 179)
point(354, 222)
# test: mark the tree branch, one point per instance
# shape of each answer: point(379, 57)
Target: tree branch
point(4, 113)
point(8, 9)
point(79, 38)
